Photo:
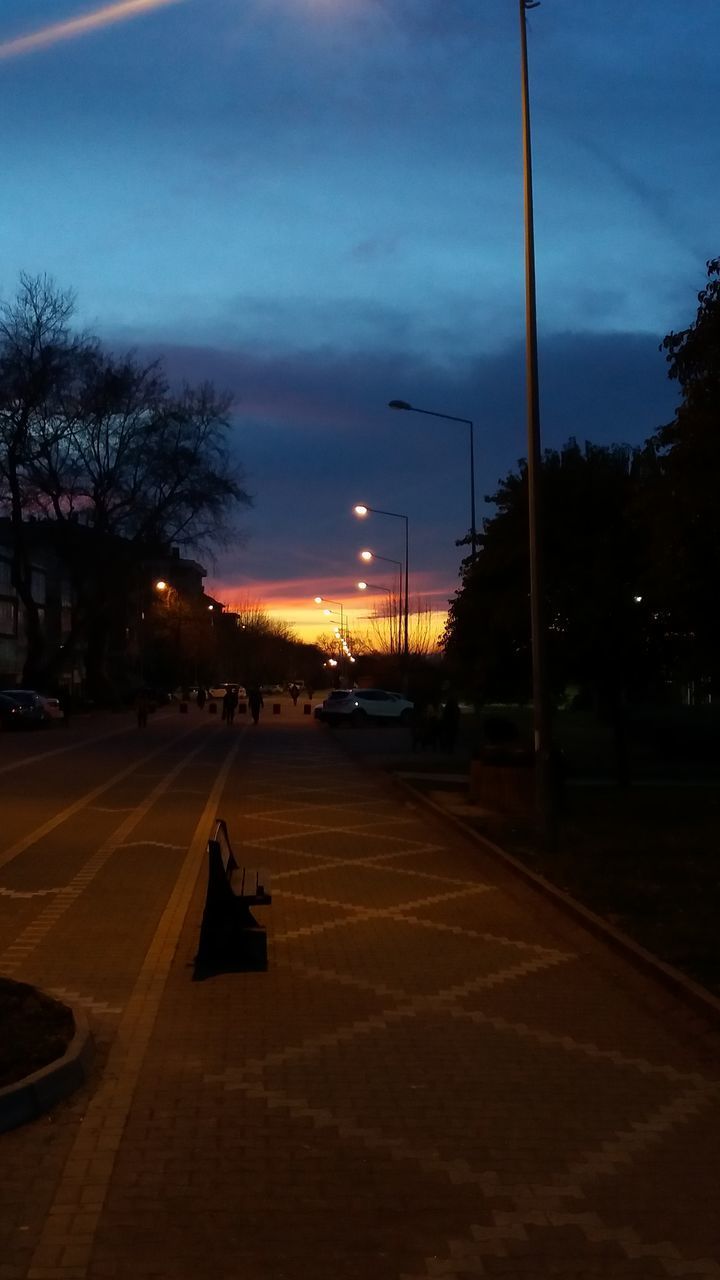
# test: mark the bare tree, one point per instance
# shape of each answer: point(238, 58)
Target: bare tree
point(38, 357)
point(424, 628)
point(426, 625)
point(100, 446)
point(385, 632)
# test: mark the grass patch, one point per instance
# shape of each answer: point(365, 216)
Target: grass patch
point(646, 858)
point(34, 1030)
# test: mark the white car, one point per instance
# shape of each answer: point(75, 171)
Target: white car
point(359, 706)
point(218, 691)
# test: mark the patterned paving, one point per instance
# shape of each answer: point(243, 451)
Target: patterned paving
point(366, 1079)
point(439, 1075)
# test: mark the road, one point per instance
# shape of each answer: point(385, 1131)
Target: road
point(439, 1075)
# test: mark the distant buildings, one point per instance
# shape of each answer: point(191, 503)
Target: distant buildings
point(133, 628)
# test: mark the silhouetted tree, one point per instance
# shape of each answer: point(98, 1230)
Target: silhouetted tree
point(103, 449)
point(680, 493)
point(596, 631)
point(39, 359)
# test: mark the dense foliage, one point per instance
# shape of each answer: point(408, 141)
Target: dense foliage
point(631, 544)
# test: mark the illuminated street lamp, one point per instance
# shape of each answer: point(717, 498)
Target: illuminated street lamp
point(326, 601)
point(361, 510)
point(368, 556)
point(449, 417)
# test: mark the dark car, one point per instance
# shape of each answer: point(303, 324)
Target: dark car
point(20, 712)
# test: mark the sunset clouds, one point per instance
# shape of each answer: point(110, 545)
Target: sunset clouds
point(317, 204)
point(72, 28)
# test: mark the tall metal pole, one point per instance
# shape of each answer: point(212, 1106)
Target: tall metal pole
point(407, 596)
point(342, 642)
point(473, 529)
point(537, 619)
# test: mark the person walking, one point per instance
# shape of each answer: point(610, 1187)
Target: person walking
point(201, 698)
point(255, 702)
point(232, 705)
point(294, 693)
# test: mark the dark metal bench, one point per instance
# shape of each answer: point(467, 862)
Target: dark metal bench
point(230, 936)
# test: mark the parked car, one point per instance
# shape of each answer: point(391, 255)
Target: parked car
point(21, 709)
point(359, 706)
point(52, 707)
point(219, 690)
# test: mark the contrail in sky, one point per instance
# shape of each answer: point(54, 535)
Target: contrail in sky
point(103, 17)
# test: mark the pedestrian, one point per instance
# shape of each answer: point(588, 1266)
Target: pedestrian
point(232, 705)
point(255, 702)
point(201, 698)
point(449, 724)
point(294, 693)
point(226, 704)
point(142, 706)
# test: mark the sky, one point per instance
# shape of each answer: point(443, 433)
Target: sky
point(317, 204)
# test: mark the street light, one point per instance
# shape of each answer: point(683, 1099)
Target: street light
point(367, 556)
point(360, 509)
point(325, 600)
point(449, 417)
point(534, 451)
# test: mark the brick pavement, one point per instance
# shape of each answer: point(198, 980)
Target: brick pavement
point(439, 1075)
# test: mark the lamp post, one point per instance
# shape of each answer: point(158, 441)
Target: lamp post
point(449, 417)
point(367, 556)
point(361, 510)
point(171, 597)
point(325, 600)
point(537, 621)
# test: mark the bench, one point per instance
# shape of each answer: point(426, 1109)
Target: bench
point(230, 936)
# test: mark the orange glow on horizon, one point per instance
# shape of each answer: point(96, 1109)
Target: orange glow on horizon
point(292, 601)
point(81, 26)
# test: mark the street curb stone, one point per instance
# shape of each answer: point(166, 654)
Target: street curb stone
point(30, 1097)
point(688, 990)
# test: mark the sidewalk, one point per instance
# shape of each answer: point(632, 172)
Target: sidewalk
point(439, 1075)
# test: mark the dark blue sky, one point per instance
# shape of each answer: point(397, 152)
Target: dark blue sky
point(318, 204)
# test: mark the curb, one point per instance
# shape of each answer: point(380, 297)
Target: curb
point(687, 989)
point(28, 1098)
